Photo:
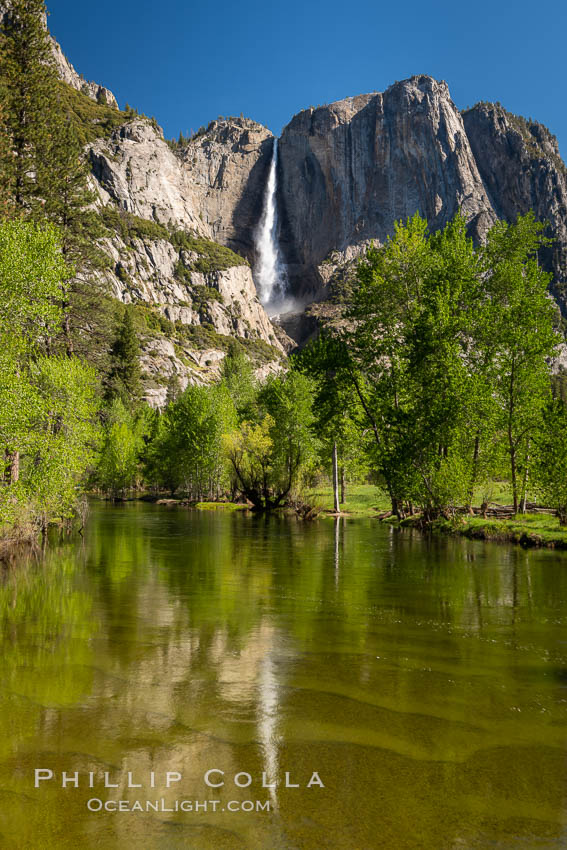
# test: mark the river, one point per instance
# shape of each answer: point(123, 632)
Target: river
point(421, 681)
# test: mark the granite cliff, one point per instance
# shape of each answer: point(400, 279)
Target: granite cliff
point(347, 172)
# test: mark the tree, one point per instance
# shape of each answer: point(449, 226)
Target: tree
point(271, 455)
point(523, 338)
point(43, 168)
point(185, 449)
point(119, 461)
point(448, 353)
point(27, 83)
point(63, 434)
point(238, 374)
point(47, 406)
point(336, 409)
point(68, 203)
point(551, 458)
point(31, 270)
point(124, 381)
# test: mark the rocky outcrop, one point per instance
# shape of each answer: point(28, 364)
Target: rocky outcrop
point(66, 71)
point(227, 169)
point(213, 185)
point(136, 168)
point(350, 170)
point(522, 170)
point(68, 74)
point(224, 299)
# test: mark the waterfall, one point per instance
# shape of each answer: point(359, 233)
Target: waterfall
point(270, 272)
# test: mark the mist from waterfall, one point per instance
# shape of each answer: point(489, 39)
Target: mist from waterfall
point(270, 273)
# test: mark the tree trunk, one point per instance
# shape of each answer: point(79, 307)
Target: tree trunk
point(337, 507)
point(514, 477)
point(343, 485)
point(69, 347)
point(525, 482)
point(12, 460)
point(395, 507)
point(470, 495)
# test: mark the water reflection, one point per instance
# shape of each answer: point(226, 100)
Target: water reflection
point(423, 678)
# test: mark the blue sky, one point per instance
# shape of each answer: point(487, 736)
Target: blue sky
point(188, 62)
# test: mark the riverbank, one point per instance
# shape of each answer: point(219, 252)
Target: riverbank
point(528, 530)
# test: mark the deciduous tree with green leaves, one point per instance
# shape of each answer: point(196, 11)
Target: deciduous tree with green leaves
point(47, 406)
point(523, 338)
point(271, 455)
point(550, 462)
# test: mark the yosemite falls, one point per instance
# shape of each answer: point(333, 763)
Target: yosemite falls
point(270, 271)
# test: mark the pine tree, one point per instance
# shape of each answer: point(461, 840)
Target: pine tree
point(125, 375)
point(5, 167)
point(27, 82)
point(68, 204)
point(46, 174)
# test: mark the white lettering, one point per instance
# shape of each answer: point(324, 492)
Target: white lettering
point(213, 784)
point(72, 779)
point(41, 776)
point(107, 782)
point(131, 783)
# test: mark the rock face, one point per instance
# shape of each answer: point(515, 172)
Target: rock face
point(136, 169)
point(66, 71)
point(522, 170)
point(224, 300)
point(213, 186)
point(350, 170)
point(227, 169)
point(347, 172)
point(68, 74)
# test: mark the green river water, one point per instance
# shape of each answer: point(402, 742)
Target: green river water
point(424, 681)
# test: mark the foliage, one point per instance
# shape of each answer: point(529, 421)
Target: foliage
point(238, 375)
point(444, 361)
point(118, 468)
point(47, 404)
point(551, 458)
point(27, 82)
point(91, 119)
point(125, 376)
point(212, 256)
point(44, 168)
point(185, 447)
point(272, 455)
point(130, 227)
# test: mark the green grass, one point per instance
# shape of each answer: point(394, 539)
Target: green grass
point(367, 500)
point(361, 499)
point(220, 506)
point(525, 529)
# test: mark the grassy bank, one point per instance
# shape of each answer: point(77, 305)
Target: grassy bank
point(529, 530)
point(362, 500)
point(524, 529)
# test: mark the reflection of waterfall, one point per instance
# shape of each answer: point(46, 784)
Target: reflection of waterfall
point(270, 272)
point(267, 723)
